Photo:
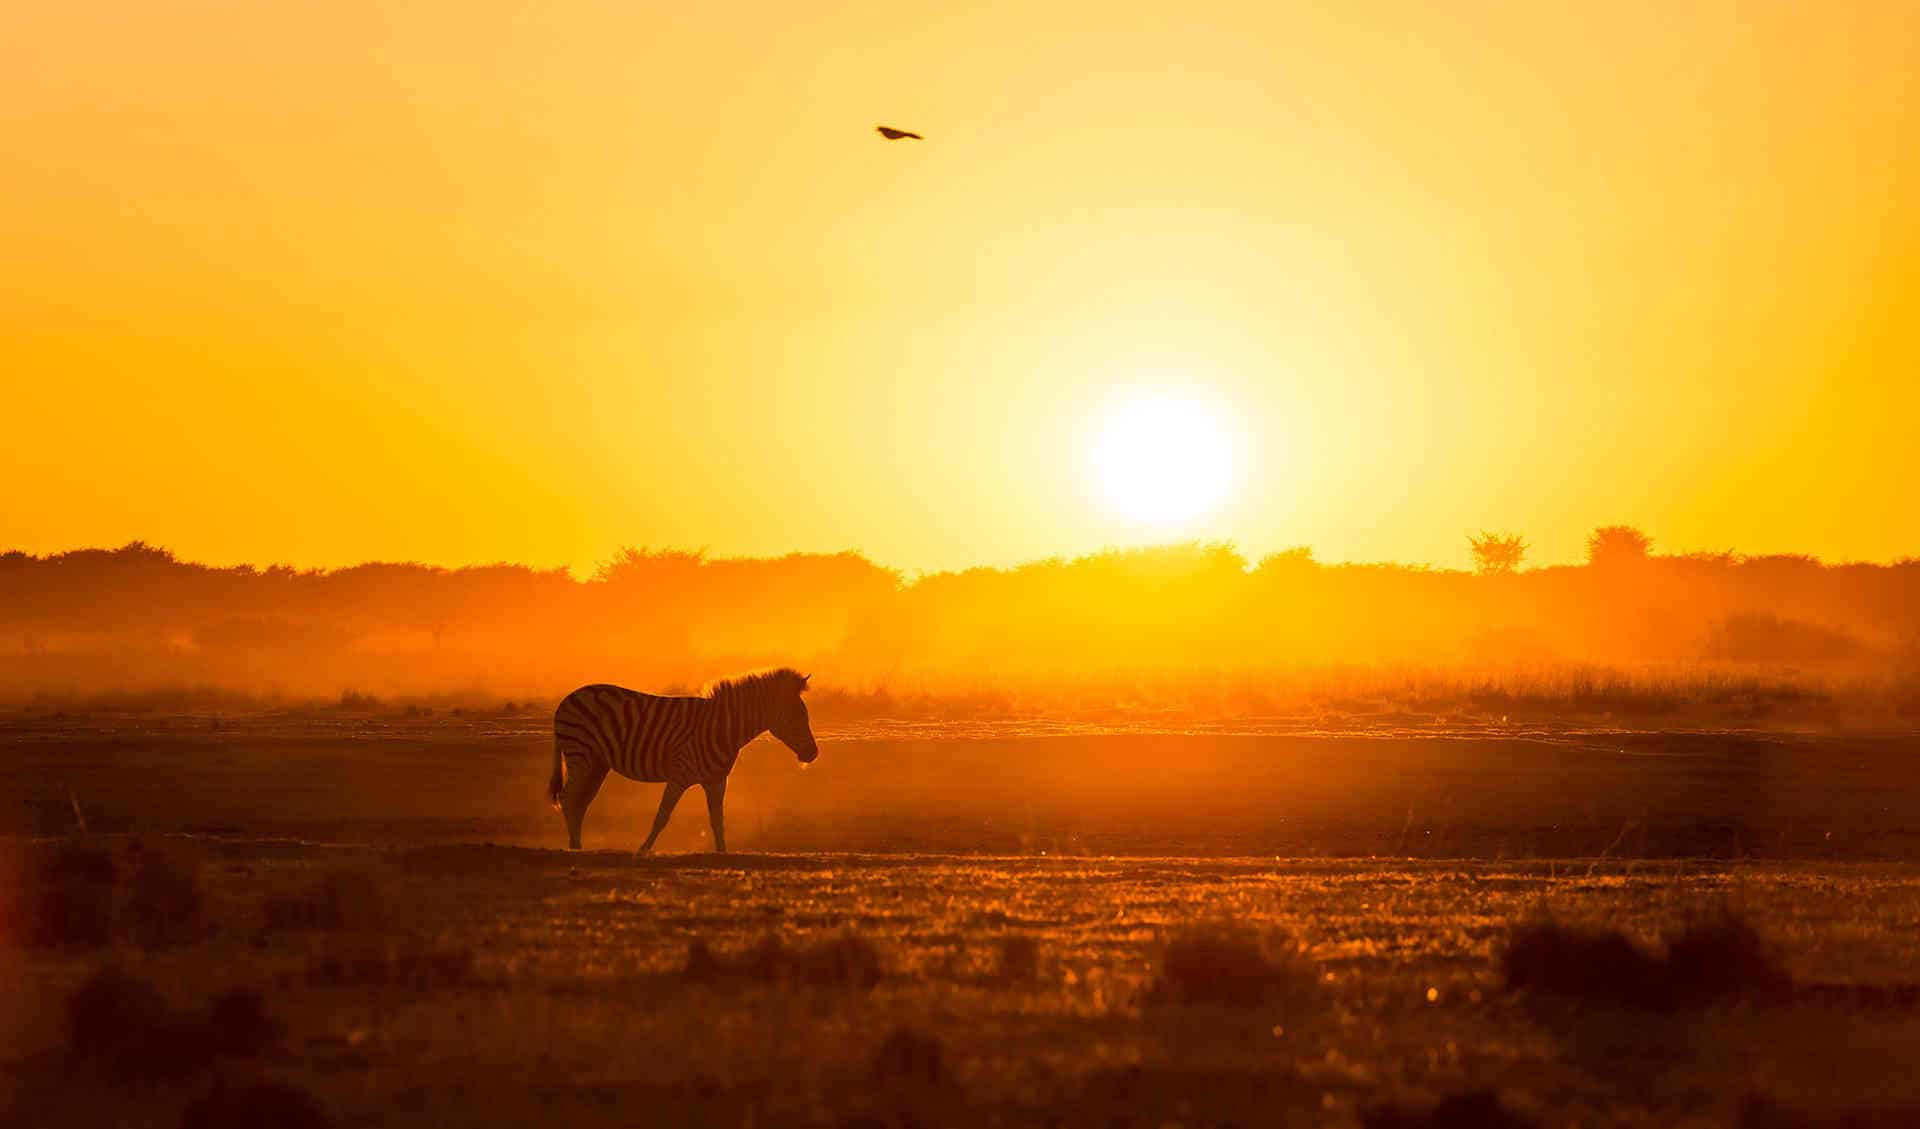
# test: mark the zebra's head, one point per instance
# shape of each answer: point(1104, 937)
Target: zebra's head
point(787, 719)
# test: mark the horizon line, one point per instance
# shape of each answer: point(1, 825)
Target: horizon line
point(703, 554)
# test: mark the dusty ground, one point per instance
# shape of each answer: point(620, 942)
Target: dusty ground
point(421, 979)
point(1252, 790)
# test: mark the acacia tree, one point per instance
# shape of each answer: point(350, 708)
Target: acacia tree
point(1612, 545)
point(1497, 554)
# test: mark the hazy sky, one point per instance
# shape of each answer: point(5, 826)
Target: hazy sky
point(327, 281)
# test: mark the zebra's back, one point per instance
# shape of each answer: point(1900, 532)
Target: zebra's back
point(639, 736)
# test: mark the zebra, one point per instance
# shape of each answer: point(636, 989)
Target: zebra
point(682, 741)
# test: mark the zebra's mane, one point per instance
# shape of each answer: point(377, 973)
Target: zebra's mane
point(784, 676)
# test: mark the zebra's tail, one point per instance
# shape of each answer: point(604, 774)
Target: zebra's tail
point(558, 780)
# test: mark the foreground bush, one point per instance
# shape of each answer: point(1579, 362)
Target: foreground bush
point(1721, 959)
point(1594, 964)
point(1233, 967)
point(123, 1026)
point(113, 1010)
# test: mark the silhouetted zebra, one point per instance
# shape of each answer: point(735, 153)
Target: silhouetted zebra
point(682, 741)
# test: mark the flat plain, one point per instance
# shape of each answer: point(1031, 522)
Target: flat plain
point(946, 928)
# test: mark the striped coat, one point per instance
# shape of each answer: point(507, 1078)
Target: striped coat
point(680, 741)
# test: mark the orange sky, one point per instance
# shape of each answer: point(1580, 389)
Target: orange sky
point(327, 281)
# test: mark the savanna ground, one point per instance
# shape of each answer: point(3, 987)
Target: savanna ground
point(928, 927)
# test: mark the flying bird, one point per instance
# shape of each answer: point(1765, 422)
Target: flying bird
point(892, 134)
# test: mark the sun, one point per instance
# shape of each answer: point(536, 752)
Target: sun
point(1161, 458)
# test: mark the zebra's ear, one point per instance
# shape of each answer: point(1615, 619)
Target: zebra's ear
point(804, 679)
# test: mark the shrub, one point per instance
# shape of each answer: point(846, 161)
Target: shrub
point(1497, 554)
point(1614, 545)
point(113, 1010)
point(1724, 958)
point(1591, 964)
point(123, 1023)
point(1717, 960)
point(1230, 966)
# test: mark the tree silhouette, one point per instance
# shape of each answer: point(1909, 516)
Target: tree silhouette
point(1612, 545)
point(1497, 554)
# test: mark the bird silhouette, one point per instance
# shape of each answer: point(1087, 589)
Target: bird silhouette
point(892, 134)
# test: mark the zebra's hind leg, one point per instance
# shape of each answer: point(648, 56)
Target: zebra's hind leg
point(716, 790)
point(583, 784)
point(668, 799)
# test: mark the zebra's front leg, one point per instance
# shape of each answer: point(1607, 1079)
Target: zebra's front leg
point(716, 790)
point(668, 799)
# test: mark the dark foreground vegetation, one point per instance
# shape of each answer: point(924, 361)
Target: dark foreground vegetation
point(480, 985)
point(1697, 638)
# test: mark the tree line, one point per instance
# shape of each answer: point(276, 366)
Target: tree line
point(138, 618)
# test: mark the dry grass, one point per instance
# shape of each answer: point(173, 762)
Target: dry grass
point(825, 991)
point(340, 900)
point(402, 965)
point(79, 895)
point(844, 961)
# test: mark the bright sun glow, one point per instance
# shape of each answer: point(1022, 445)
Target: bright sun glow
point(1161, 458)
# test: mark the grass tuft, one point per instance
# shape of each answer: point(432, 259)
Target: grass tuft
point(1231, 966)
point(342, 900)
point(416, 968)
point(845, 961)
